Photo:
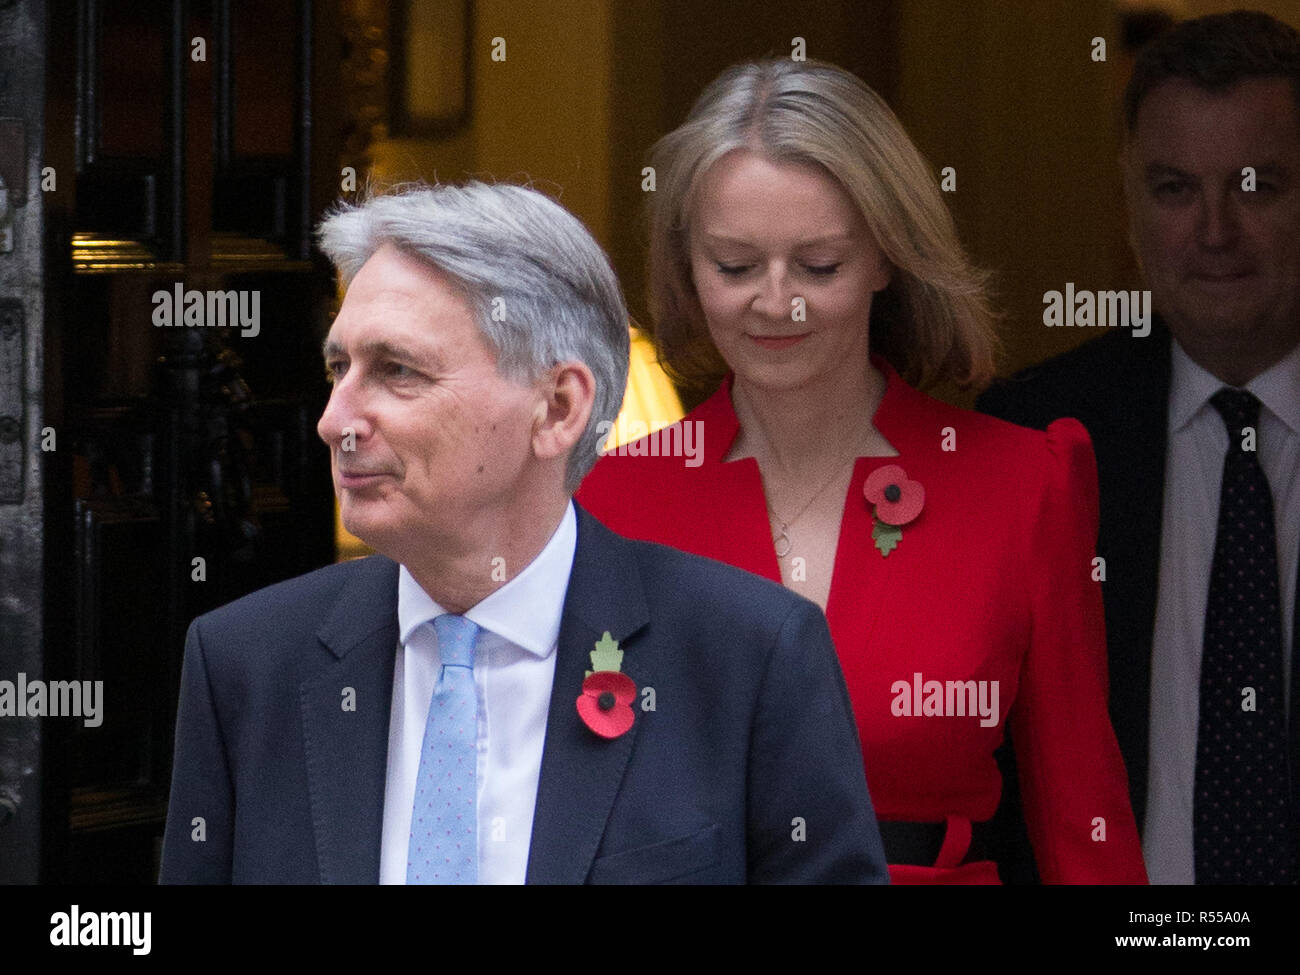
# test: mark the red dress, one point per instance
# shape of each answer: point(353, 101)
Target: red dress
point(993, 581)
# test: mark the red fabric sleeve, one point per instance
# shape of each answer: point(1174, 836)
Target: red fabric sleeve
point(1072, 777)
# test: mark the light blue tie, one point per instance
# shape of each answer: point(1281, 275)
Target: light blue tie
point(444, 826)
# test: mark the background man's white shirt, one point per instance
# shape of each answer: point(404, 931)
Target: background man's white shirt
point(514, 669)
point(1198, 440)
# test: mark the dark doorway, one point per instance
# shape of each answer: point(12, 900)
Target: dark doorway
point(187, 150)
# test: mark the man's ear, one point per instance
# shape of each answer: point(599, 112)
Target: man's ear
point(568, 393)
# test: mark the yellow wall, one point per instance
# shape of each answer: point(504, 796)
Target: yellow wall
point(541, 114)
point(1006, 92)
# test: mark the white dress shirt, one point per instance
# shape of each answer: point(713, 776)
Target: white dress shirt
point(1198, 441)
point(514, 668)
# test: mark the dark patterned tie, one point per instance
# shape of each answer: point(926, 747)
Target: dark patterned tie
point(1241, 809)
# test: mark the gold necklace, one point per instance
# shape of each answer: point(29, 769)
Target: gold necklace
point(783, 534)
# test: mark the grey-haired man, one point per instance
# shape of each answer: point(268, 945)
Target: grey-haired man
point(509, 692)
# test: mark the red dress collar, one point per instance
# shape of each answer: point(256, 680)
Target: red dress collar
point(895, 417)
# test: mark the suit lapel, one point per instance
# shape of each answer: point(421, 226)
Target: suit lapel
point(347, 750)
point(581, 772)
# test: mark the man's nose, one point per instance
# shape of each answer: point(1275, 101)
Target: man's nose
point(344, 413)
point(1218, 222)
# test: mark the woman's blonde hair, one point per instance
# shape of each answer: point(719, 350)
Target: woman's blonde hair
point(933, 322)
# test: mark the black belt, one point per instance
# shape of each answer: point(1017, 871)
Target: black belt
point(920, 844)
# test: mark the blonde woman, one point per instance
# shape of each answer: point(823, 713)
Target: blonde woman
point(804, 266)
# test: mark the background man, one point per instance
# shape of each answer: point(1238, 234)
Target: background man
point(1197, 434)
point(427, 715)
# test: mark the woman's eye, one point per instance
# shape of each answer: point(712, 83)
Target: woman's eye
point(734, 270)
point(821, 269)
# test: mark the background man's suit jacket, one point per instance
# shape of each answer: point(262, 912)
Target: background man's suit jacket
point(751, 743)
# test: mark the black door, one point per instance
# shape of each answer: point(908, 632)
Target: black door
point(186, 157)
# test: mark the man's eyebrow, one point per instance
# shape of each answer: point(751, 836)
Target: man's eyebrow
point(379, 349)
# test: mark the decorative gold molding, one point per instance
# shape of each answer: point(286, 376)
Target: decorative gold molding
point(235, 252)
point(231, 253)
point(365, 77)
point(92, 254)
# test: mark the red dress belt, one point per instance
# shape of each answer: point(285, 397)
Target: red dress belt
point(944, 845)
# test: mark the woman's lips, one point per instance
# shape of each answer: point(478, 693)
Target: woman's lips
point(779, 342)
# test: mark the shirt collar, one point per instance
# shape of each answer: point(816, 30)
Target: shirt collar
point(1190, 388)
point(526, 610)
point(1277, 387)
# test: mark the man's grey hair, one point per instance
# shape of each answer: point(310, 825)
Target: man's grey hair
point(558, 296)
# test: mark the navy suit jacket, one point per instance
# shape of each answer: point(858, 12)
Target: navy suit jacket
point(748, 768)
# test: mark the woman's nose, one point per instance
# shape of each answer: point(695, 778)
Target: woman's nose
point(773, 299)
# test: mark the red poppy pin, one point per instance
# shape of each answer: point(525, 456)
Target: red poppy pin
point(605, 704)
point(898, 501)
